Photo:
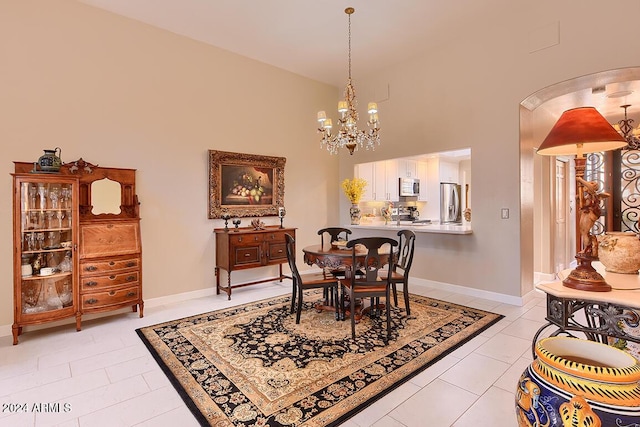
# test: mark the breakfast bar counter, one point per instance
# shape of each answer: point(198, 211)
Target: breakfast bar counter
point(416, 228)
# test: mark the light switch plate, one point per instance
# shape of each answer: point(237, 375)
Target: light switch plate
point(504, 213)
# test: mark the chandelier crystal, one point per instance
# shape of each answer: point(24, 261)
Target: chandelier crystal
point(626, 129)
point(349, 136)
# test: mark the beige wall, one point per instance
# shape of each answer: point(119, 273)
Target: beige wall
point(467, 94)
point(120, 93)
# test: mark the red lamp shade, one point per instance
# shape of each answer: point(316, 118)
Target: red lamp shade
point(581, 130)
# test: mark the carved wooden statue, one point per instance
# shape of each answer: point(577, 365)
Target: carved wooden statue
point(590, 211)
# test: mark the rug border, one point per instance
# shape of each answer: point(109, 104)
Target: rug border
point(397, 384)
point(203, 421)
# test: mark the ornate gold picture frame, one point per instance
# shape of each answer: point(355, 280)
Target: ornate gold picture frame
point(244, 185)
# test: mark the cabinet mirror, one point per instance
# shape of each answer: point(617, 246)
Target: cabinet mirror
point(105, 196)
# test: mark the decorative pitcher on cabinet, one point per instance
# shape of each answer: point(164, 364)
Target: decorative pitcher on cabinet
point(50, 161)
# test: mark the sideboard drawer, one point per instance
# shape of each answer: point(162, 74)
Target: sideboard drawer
point(99, 300)
point(276, 236)
point(89, 284)
point(244, 255)
point(101, 267)
point(277, 252)
point(244, 239)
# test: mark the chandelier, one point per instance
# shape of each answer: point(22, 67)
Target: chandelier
point(626, 129)
point(348, 135)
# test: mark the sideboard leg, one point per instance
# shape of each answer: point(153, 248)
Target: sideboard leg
point(229, 287)
point(217, 273)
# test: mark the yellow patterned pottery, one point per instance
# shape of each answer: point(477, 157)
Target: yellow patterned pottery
point(579, 383)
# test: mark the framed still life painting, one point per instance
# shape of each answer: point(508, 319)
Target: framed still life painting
point(244, 185)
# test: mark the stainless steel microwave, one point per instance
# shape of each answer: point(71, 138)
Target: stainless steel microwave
point(409, 187)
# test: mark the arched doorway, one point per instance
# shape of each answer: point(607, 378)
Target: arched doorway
point(538, 113)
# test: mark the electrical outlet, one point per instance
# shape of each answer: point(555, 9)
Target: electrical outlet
point(504, 213)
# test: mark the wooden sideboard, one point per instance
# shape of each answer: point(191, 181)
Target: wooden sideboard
point(246, 248)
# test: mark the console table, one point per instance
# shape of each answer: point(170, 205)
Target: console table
point(246, 248)
point(599, 315)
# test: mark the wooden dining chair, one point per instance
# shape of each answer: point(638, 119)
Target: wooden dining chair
point(306, 281)
point(334, 233)
point(400, 272)
point(364, 281)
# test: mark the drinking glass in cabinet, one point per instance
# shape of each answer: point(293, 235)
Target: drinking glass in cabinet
point(40, 239)
point(60, 215)
point(65, 197)
point(54, 195)
point(42, 193)
point(32, 195)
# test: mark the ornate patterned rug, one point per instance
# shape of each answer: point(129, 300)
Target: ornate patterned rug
point(251, 365)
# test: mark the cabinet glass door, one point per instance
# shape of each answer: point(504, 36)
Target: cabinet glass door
point(47, 239)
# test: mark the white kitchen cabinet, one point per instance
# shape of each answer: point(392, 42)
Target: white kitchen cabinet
point(392, 181)
point(386, 181)
point(382, 180)
point(423, 176)
point(407, 168)
point(366, 171)
point(448, 172)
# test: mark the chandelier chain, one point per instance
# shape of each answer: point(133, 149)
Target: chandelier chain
point(349, 47)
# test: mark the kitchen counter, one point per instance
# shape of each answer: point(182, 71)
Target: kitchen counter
point(416, 228)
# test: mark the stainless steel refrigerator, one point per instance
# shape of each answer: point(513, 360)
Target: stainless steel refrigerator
point(450, 211)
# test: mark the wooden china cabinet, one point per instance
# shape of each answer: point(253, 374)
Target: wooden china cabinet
point(77, 247)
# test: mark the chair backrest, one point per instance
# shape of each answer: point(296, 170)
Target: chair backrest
point(373, 261)
point(406, 243)
point(335, 233)
point(291, 257)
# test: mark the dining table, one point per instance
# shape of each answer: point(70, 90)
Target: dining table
point(335, 257)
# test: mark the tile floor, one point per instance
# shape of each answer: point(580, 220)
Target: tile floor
point(104, 376)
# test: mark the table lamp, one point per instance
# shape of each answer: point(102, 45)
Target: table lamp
point(579, 131)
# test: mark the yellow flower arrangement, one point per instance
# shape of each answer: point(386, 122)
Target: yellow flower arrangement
point(354, 189)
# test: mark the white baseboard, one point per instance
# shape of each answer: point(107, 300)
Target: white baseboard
point(478, 293)
point(184, 296)
point(543, 277)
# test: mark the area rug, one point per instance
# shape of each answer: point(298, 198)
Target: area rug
point(252, 365)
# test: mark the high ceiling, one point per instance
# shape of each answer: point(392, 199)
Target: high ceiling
point(310, 37)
